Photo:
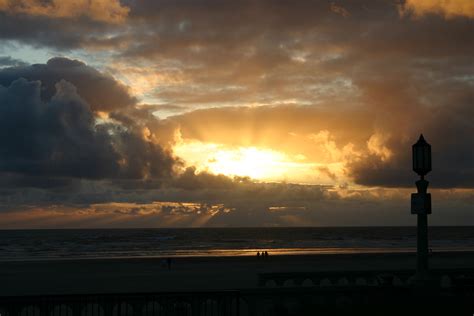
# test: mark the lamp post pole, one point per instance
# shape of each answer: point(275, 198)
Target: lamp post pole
point(422, 234)
point(421, 205)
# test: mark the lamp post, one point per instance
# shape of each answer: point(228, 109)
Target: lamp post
point(421, 204)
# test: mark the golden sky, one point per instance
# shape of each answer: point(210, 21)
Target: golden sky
point(192, 113)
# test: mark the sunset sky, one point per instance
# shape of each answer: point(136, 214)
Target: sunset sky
point(190, 113)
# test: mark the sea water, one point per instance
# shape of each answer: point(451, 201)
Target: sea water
point(119, 243)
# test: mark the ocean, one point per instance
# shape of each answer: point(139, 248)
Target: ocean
point(173, 242)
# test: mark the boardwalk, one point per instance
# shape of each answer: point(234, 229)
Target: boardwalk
point(300, 293)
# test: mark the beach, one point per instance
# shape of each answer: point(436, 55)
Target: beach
point(137, 275)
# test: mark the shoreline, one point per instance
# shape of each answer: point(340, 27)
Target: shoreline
point(194, 273)
point(250, 253)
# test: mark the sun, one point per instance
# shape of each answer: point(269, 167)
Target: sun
point(252, 162)
point(257, 163)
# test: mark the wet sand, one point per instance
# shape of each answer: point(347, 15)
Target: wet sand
point(192, 274)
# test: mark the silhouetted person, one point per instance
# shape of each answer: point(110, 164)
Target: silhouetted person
point(258, 254)
point(168, 261)
point(266, 254)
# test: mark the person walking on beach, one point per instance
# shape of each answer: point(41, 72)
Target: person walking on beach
point(258, 254)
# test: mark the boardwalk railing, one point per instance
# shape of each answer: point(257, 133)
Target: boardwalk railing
point(444, 278)
point(313, 293)
point(349, 300)
point(147, 304)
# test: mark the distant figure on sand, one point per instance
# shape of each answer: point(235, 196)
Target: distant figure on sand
point(266, 254)
point(258, 254)
point(168, 261)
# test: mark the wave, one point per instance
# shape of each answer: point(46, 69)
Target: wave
point(70, 244)
point(162, 238)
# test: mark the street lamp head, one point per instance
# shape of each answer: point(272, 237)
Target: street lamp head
point(421, 156)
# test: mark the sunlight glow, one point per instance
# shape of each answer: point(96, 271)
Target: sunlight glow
point(248, 161)
point(257, 163)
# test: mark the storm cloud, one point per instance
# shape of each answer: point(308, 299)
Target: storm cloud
point(58, 135)
point(102, 92)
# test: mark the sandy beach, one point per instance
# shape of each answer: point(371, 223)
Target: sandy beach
point(192, 274)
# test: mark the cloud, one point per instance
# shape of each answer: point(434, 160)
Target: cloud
point(355, 91)
point(338, 9)
point(60, 138)
point(446, 8)
point(290, 128)
point(110, 11)
point(368, 148)
point(102, 92)
point(325, 171)
point(9, 61)
point(244, 203)
point(351, 93)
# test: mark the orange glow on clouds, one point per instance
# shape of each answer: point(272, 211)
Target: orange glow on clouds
point(257, 163)
point(110, 11)
point(448, 8)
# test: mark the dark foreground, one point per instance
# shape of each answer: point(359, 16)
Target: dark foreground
point(375, 284)
point(332, 300)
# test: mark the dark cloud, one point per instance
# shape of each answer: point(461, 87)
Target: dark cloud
point(433, 97)
point(272, 50)
point(9, 61)
point(60, 138)
point(191, 180)
point(243, 203)
point(100, 91)
point(50, 32)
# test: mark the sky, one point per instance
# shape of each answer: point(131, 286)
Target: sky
point(193, 113)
